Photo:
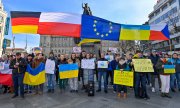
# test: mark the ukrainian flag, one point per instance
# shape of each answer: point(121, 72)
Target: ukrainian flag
point(169, 69)
point(35, 76)
point(68, 71)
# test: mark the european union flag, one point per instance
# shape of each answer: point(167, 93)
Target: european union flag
point(98, 28)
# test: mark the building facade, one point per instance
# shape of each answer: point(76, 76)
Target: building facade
point(3, 16)
point(167, 11)
point(64, 45)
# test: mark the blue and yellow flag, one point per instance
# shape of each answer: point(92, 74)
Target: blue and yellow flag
point(85, 41)
point(68, 71)
point(169, 69)
point(98, 28)
point(35, 76)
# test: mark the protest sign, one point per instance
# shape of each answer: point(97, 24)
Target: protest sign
point(113, 50)
point(143, 65)
point(87, 64)
point(1, 65)
point(102, 64)
point(124, 78)
point(77, 49)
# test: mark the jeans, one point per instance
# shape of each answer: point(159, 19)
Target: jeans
point(114, 85)
point(73, 82)
point(153, 79)
point(63, 83)
point(28, 88)
point(18, 82)
point(172, 80)
point(178, 79)
point(109, 73)
point(88, 75)
point(104, 75)
point(50, 78)
point(140, 82)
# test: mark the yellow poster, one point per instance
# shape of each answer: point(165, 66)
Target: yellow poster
point(124, 78)
point(68, 74)
point(143, 65)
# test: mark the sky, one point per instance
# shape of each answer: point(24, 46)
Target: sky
point(119, 11)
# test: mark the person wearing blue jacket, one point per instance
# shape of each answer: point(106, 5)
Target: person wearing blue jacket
point(175, 61)
point(113, 65)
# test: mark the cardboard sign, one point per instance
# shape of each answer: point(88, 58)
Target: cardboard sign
point(87, 64)
point(102, 64)
point(124, 78)
point(77, 49)
point(109, 57)
point(143, 65)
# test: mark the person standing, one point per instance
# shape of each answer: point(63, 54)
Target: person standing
point(165, 78)
point(50, 71)
point(140, 80)
point(36, 62)
point(154, 58)
point(18, 67)
point(176, 76)
point(73, 81)
point(62, 82)
point(102, 72)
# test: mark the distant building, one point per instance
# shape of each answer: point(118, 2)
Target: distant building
point(167, 11)
point(3, 16)
point(64, 45)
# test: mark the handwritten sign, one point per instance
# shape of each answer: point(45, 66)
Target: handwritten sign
point(87, 64)
point(102, 64)
point(124, 78)
point(109, 57)
point(143, 65)
point(169, 69)
point(77, 49)
point(1, 65)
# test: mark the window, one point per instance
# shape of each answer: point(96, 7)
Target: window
point(164, 7)
point(172, 2)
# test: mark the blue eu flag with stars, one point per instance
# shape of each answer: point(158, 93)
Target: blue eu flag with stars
point(98, 28)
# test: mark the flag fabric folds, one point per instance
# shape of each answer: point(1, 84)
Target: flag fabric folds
point(35, 76)
point(84, 41)
point(83, 26)
point(25, 22)
point(68, 71)
point(6, 76)
point(144, 32)
point(98, 28)
point(169, 69)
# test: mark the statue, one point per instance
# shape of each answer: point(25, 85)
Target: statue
point(87, 10)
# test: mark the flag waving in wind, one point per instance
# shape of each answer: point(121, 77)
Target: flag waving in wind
point(98, 28)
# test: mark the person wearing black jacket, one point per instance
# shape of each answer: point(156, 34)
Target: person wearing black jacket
point(18, 67)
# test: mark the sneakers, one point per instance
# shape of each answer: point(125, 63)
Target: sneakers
point(114, 91)
point(153, 90)
point(167, 95)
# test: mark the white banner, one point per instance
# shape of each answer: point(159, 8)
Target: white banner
point(6, 69)
point(77, 49)
point(102, 64)
point(87, 64)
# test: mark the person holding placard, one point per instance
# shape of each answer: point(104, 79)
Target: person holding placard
point(140, 80)
point(122, 66)
point(62, 82)
point(165, 77)
point(102, 72)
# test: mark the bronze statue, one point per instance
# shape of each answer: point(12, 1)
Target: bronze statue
point(87, 10)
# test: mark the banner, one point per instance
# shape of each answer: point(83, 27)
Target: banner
point(87, 64)
point(143, 65)
point(68, 71)
point(109, 57)
point(124, 78)
point(37, 50)
point(169, 69)
point(102, 64)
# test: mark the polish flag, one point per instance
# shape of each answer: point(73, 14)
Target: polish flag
point(6, 76)
point(60, 24)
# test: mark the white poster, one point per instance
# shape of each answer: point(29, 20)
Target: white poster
point(50, 66)
point(113, 50)
point(1, 65)
point(87, 64)
point(77, 49)
point(102, 64)
point(109, 57)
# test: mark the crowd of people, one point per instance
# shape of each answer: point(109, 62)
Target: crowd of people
point(166, 82)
